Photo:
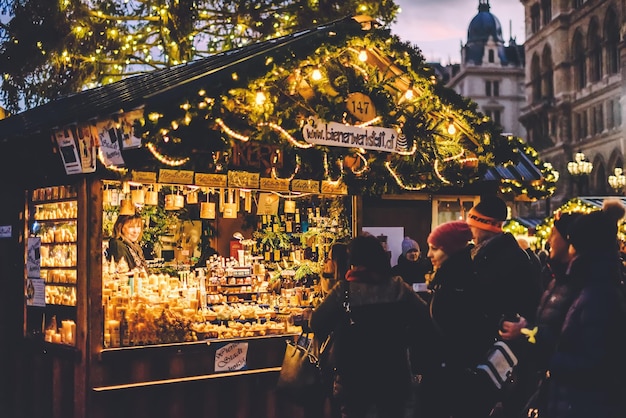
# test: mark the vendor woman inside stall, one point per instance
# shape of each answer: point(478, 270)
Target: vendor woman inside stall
point(127, 233)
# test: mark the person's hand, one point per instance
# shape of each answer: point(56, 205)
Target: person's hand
point(512, 330)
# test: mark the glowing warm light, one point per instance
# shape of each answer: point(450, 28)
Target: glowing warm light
point(165, 159)
point(451, 128)
point(363, 55)
point(260, 98)
point(316, 75)
point(230, 132)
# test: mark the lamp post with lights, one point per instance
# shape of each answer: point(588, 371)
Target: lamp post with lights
point(580, 169)
point(617, 180)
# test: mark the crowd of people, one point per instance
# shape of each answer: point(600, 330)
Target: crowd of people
point(563, 317)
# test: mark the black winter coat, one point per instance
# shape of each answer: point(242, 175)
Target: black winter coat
point(509, 284)
point(372, 354)
point(454, 309)
point(412, 271)
point(588, 365)
point(555, 302)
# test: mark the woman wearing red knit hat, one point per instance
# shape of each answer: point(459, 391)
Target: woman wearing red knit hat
point(447, 389)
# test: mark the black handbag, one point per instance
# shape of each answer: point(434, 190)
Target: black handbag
point(300, 379)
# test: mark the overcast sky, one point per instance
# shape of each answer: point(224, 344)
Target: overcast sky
point(438, 27)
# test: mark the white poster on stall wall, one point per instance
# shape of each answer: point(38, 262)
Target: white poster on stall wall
point(87, 140)
point(68, 150)
point(393, 237)
point(110, 137)
point(127, 120)
point(33, 258)
point(35, 292)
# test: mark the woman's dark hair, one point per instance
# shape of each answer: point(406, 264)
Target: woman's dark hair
point(367, 251)
point(339, 255)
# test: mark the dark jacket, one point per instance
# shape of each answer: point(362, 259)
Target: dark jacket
point(371, 355)
point(449, 388)
point(412, 271)
point(509, 283)
point(455, 311)
point(118, 249)
point(588, 365)
point(555, 302)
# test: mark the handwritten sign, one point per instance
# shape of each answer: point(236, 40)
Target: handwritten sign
point(305, 186)
point(144, 176)
point(110, 140)
point(175, 176)
point(33, 257)
point(333, 187)
point(231, 357)
point(243, 179)
point(277, 185)
point(211, 180)
point(333, 134)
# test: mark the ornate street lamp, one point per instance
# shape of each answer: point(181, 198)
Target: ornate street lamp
point(580, 169)
point(617, 181)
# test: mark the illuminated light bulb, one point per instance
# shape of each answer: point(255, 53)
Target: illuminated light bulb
point(409, 94)
point(235, 76)
point(187, 119)
point(154, 116)
point(185, 106)
point(174, 125)
point(316, 74)
point(363, 55)
point(260, 98)
point(451, 129)
point(201, 92)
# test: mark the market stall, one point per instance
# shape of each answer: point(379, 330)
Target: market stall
point(243, 168)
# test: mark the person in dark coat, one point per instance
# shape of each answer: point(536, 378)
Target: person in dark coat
point(588, 365)
point(555, 302)
point(372, 333)
point(446, 389)
point(509, 286)
point(412, 266)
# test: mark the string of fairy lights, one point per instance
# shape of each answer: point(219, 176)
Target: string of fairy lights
point(410, 100)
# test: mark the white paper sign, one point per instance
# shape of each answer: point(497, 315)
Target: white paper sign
point(68, 151)
point(230, 357)
point(35, 292)
point(110, 136)
point(33, 258)
point(86, 138)
point(127, 120)
point(5, 231)
point(335, 134)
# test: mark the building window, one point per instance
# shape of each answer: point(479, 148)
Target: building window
point(599, 119)
point(492, 88)
point(491, 56)
point(610, 114)
point(535, 21)
point(611, 34)
point(581, 125)
point(535, 79)
point(546, 11)
point(494, 115)
point(580, 67)
point(595, 52)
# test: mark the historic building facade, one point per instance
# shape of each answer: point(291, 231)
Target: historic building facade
point(491, 72)
point(574, 89)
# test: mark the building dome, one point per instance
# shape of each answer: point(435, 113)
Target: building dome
point(482, 27)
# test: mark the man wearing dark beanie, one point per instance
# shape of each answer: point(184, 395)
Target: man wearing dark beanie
point(509, 285)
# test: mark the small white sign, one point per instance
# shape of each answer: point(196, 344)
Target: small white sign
point(5, 231)
point(231, 357)
point(335, 134)
point(35, 292)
